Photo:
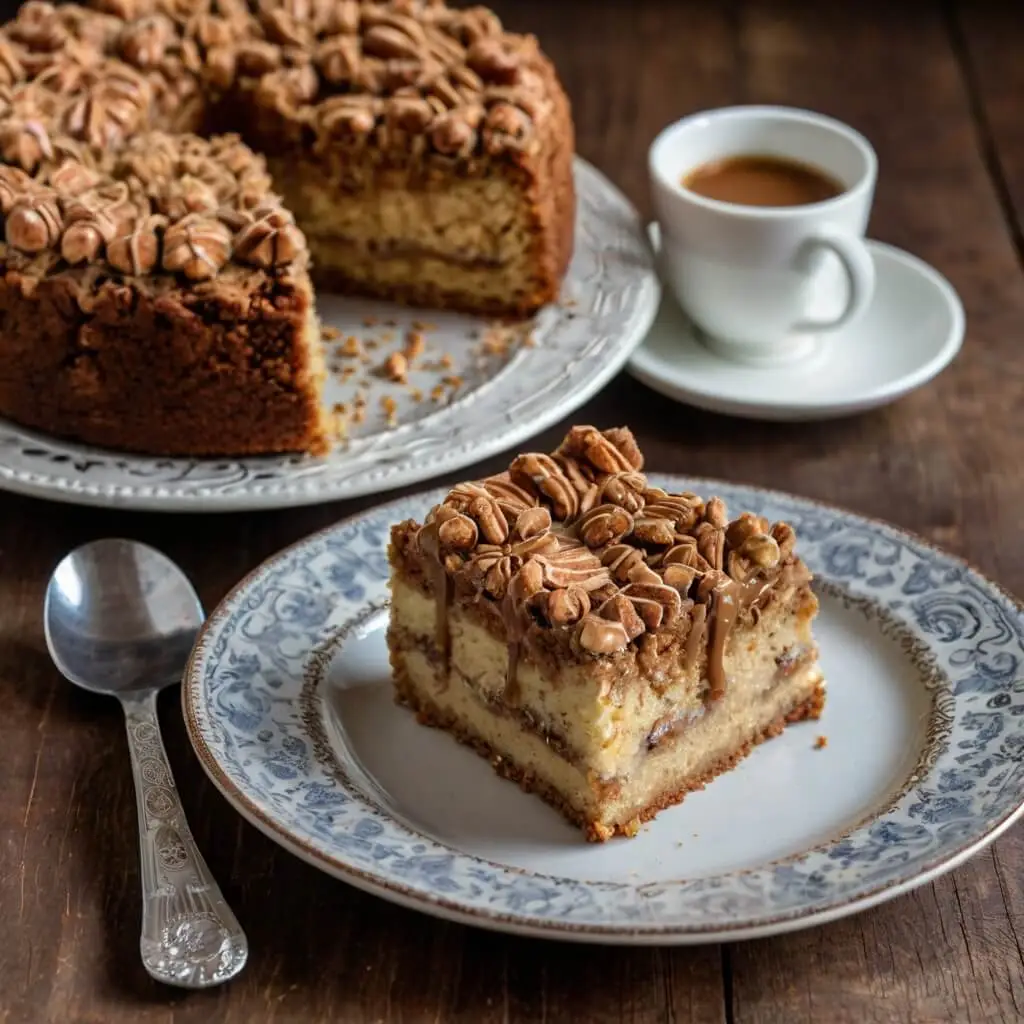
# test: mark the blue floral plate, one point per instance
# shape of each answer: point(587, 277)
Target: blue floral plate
point(917, 763)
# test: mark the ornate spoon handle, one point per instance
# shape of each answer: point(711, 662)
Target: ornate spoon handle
point(190, 937)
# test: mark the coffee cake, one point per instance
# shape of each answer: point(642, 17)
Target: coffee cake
point(157, 286)
point(608, 645)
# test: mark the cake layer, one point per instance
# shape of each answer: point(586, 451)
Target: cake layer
point(603, 727)
point(682, 761)
point(207, 371)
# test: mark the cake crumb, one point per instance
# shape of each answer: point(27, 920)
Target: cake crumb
point(351, 346)
point(821, 743)
point(453, 381)
point(390, 323)
point(530, 341)
point(329, 333)
point(417, 394)
point(446, 361)
point(370, 321)
point(396, 367)
point(437, 393)
point(423, 325)
point(414, 344)
point(390, 407)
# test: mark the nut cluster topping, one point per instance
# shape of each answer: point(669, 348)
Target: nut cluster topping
point(580, 540)
point(85, 90)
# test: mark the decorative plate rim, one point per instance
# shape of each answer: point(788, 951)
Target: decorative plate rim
point(542, 927)
point(384, 461)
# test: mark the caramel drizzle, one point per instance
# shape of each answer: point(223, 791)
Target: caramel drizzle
point(697, 630)
point(728, 602)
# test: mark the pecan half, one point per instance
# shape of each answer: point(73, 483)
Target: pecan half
point(197, 246)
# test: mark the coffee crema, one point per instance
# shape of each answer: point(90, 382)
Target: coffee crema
point(762, 181)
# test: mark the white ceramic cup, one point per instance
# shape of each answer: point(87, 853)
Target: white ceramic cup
point(762, 283)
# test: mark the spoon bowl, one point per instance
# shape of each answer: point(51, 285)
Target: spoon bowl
point(120, 616)
point(120, 619)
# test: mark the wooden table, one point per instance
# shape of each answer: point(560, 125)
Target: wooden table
point(938, 88)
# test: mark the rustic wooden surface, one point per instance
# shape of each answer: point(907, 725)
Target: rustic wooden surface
point(938, 88)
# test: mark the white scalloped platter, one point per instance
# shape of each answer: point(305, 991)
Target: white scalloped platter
point(288, 703)
point(609, 299)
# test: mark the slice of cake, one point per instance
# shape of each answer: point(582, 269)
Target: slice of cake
point(608, 645)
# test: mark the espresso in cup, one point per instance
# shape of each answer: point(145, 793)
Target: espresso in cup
point(762, 181)
point(782, 260)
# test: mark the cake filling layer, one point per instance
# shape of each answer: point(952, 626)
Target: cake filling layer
point(660, 777)
point(608, 726)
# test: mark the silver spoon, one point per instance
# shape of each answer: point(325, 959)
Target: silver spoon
point(120, 619)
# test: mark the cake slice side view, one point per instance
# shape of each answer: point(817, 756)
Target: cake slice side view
point(606, 644)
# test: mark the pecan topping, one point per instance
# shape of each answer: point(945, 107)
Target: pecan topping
point(543, 473)
point(746, 526)
point(351, 117)
point(137, 250)
point(11, 68)
point(601, 636)
point(187, 195)
point(571, 564)
point(605, 524)
point(110, 111)
point(715, 513)
point(512, 498)
point(506, 127)
point(761, 549)
point(710, 544)
point(577, 539)
point(653, 530)
point(197, 246)
point(625, 490)
point(683, 511)
point(621, 560)
point(338, 58)
point(92, 220)
point(684, 552)
point(271, 240)
point(562, 607)
point(452, 135)
point(25, 143)
point(220, 66)
point(389, 43)
point(492, 566)
point(14, 183)
point(613, 451)
point(785, 538)
point(254, 57)
point(38, 27)
point(679, 576)
point(73, 178)
point(34, 222)
point(446, 531)
point(493, 61)
point(656, 604)
point(144, 42)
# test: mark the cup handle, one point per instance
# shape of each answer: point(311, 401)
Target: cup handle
point(860, 272)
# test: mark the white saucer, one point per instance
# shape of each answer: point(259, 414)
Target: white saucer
point(912, 330)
